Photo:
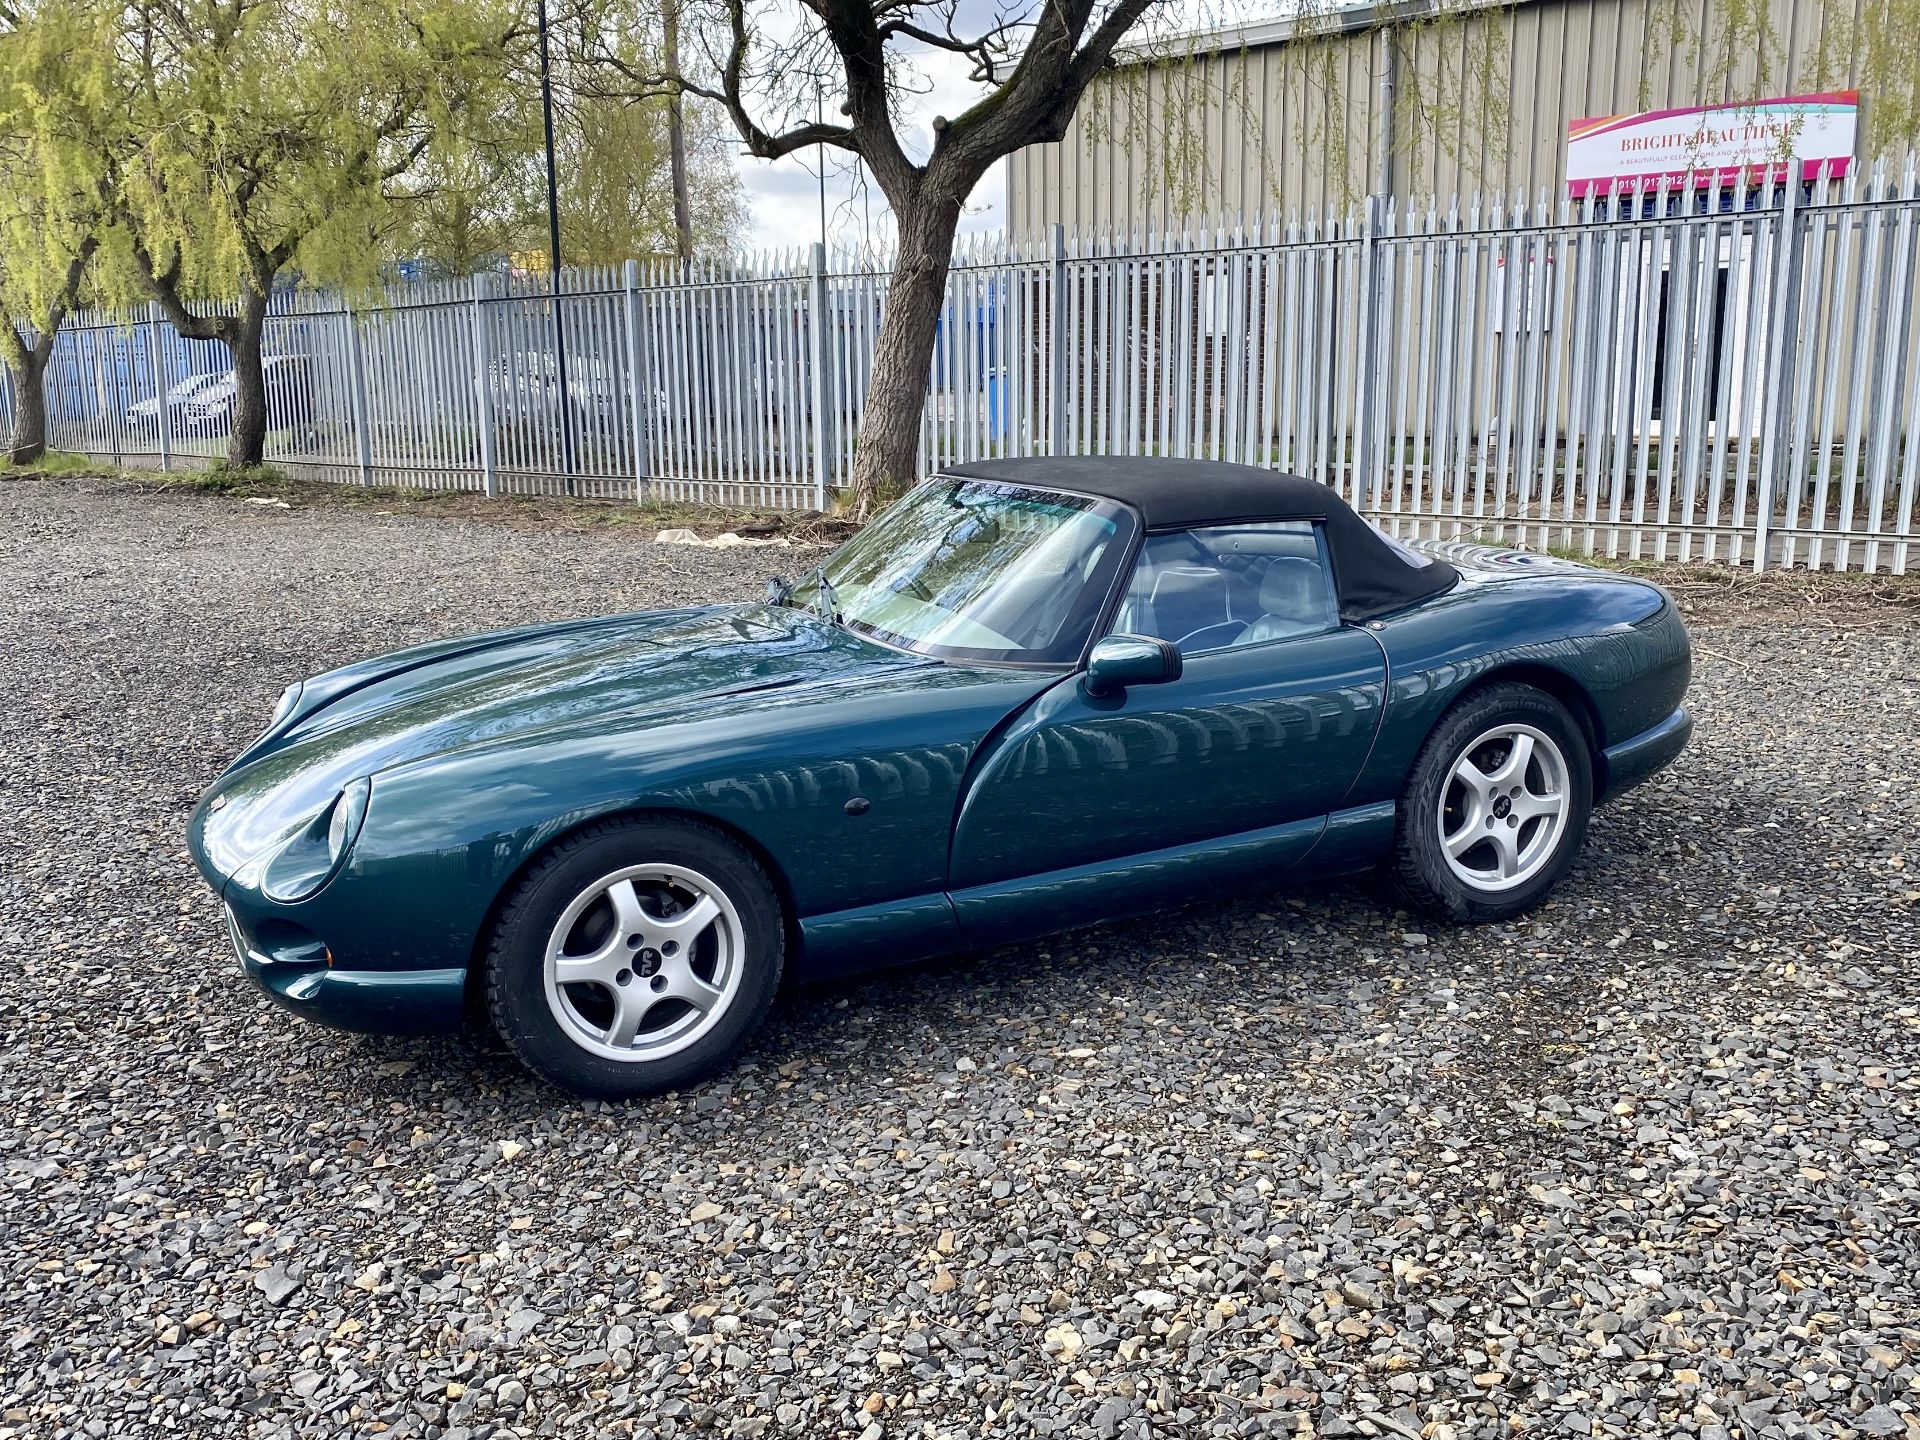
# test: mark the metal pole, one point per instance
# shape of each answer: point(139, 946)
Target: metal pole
point(817, 363)
point(820, 118)
point(639, 383)
point(1384, 120)
point(1056, 345)
point(553, 257)
point(357, 381)
point(1775, 453)
point(483, 388)
point(163, 421)
point(1365, 426)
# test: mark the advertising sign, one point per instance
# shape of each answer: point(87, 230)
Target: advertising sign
point(1721, 144)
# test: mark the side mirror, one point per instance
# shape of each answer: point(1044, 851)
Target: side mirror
point(778, 589)
point(1122, 660)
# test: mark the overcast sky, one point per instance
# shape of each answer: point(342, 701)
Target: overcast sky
point(783, 201)
point(783, 196)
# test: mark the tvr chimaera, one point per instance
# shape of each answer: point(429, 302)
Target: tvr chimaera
point(1030, 695)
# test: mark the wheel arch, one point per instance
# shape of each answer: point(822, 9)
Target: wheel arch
point(782, 888)
point(1562, 687)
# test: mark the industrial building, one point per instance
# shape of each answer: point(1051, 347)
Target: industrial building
point(1414, 100)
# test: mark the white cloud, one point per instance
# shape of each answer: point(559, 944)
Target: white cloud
point(783, 203)
point(783, 196)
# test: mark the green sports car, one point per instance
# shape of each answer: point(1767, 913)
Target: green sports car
point(1032, 694)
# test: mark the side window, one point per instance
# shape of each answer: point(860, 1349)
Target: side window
point(1229, 585)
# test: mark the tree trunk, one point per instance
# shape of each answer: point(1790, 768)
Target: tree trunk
point(247, 441)
point(889, 450)
point(677, 137)
point(27, 369)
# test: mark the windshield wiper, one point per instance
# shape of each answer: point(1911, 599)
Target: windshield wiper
point(831, 612)
point(781, 592)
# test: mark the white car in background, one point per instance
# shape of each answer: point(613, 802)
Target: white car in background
point(145, 414)
point(289, 384)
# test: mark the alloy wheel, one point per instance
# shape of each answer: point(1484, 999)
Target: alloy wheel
point(644, 962)
point(1503, 808)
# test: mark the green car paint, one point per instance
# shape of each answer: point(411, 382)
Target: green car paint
point(1001, 801)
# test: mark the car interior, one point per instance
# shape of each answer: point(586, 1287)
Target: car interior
point(1217, 588)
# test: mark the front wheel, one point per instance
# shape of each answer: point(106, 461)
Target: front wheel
point(1496, 807)
point(634, 957)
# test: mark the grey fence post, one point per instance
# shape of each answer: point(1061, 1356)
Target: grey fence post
point(1366, 372)
point(1775, 451)
point(1057, 342)
point(163, 416)
point(108, 420)
point(639, 383)
point(357, 385)
point(817, 319)
point(482, 390)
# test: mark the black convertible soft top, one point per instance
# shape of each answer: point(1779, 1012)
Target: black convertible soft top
point(1373, 574)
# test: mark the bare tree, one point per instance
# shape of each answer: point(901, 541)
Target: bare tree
point(1032, 63)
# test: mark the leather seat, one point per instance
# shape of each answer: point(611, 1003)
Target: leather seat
point(1293, 597)
point(1136, 617)
point(1187, 598)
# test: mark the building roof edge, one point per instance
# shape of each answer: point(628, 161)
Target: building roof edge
point(1262, 34)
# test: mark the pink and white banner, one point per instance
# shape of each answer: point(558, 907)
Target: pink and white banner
point(1721, 144)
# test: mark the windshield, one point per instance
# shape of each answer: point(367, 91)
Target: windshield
point(975, 570)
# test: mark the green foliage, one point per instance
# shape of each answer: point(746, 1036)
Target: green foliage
point(1464, 91)
point(54, 462)
point(616, 196)
point(235, 479)
point(269, 134)
point(54, 198)
point(483, 193)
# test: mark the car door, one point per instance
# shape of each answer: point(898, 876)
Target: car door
point(1102, 805)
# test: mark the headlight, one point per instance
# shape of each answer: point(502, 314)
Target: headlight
point(318, 849)
point(348, 811)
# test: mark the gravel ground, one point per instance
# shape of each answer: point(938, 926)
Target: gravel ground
point(1646, 1164)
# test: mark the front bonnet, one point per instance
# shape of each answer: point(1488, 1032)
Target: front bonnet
point(518, 684)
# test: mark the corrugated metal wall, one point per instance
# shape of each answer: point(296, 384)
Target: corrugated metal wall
point(1292, 126)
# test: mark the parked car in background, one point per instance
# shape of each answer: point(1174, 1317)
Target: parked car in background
point(1031, 694)
point(526, 395)
point(289, 383)
point(144, 415)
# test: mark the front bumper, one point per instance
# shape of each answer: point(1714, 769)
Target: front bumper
point(296, 970)
point(1632, 761)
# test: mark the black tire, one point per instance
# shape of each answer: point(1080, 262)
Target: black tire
point(516, 979)
point(1420, 868)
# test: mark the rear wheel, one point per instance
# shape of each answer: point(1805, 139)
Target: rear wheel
point(634, 957)
point(1496, 807)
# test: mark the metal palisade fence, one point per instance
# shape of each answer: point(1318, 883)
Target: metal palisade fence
point(1728, 371)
